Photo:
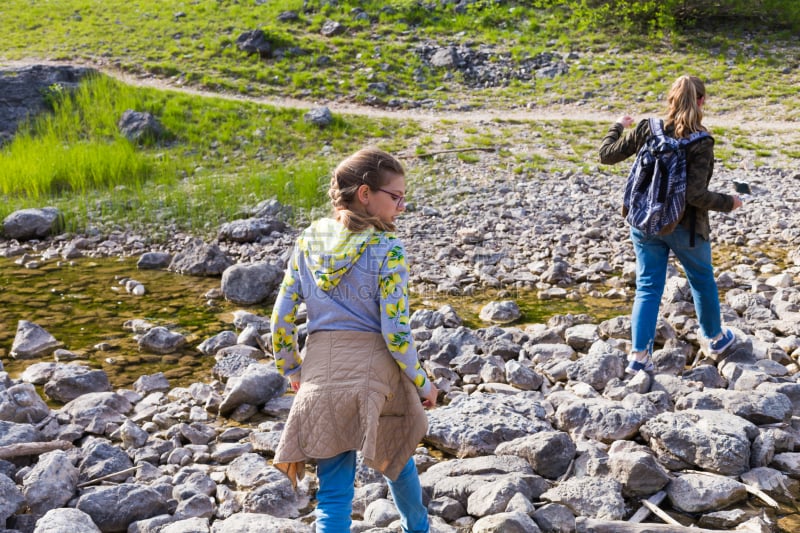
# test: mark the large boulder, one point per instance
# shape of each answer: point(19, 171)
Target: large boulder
point(200, 259)
point(50, 483)
point(250, 284)
point(33, 223)
point(138, 126)
point(113, 509)
point(32, 341)
point(23, 92)
point(21, 403)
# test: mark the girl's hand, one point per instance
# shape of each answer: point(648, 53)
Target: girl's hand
point(294, 381)
point(626, 121)
point(430, 399)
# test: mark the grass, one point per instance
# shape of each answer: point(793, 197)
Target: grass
point(220, 156)
point(196, 43)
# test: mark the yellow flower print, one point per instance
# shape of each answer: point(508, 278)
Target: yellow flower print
point(396, 257)
point(419, 381)
point(398, 342)
point(389, 284)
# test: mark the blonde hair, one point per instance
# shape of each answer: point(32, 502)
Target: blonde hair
point(371, 167)
point(683, 111)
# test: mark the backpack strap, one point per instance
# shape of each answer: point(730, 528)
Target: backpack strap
point(656, 127)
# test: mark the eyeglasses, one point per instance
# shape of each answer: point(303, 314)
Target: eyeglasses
point(401, 200)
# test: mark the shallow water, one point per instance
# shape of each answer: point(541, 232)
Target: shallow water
point(82, 304)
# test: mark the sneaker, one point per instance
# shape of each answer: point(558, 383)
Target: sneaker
point(718, 346)
point(634, 366)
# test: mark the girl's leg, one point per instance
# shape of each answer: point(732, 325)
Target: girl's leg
point(336, 490)
point(407, 494)
point(700, 273)
point(651, 272)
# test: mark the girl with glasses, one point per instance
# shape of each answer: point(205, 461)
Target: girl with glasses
point(359, 382)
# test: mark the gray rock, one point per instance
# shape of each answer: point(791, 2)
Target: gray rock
point(554, 518)
point(636, 469)
point(196, 483)
point(250, 229)
point(258, 523)
point(493, 497)
point(146, 384)
point(199, 259)
point(474, 425)
point(154, 261)
point(580, 494)
point(160, 340)
point(597, 370)
point(254, 42)
point(197, 506)
point(257, 385)
point(500, 312)
point(33, 223)
point(21, 403)
point(100, 459)
point(252, 283)
point(605, 420)
point(97, 411)
point(276, 497)
point(221, 340)
point(709, 440)
point(331, 28)
point(521, 376)
point(115, 508)
point(249, 470)
point(581, 336)
point(32, 341)
point(548, 452)
point(514, 522)
point(140, 126)
point(51, 482)
point(71, 381)
point(65, 520)
point(758, 407)
point(38, 373)
point(10, 498)
point(154, 524)
point(319, 116)
point(14, 433)
point(459, 478)
point(381, 513)
point(444, 57)
point(233, 361)
point(697, 493)
point(24, 92)
point(131, 435)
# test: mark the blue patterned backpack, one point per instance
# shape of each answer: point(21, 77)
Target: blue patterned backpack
point(655, 194)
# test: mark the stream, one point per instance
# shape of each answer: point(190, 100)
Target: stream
point(84, 305)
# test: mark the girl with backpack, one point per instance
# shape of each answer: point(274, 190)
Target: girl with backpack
point(359, 384)
point(689, 241)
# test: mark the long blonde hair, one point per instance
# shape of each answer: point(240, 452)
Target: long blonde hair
point(369, 166)
point(683, 111)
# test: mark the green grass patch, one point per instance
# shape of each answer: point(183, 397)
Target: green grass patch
point(219, 157)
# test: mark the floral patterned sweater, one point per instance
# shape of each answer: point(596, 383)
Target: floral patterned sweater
point(350, 282)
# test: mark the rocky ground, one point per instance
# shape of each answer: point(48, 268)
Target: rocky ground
point(535, 420)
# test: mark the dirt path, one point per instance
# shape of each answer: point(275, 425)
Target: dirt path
point(571, 112)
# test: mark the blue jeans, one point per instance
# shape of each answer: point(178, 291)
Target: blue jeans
point(335, 495)
point(652, 254)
